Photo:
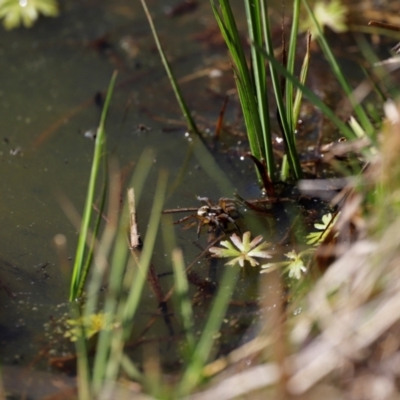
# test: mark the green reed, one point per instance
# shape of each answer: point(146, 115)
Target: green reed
point(83, 257)
point(252, 81)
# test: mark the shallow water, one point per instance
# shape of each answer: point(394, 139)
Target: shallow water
point(51, 75)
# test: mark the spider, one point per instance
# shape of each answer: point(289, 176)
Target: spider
point(217, 216)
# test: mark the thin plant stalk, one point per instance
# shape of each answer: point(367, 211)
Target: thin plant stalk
point(90, 251)
point(117, 272)
point(227, 25)
point(288, 133)
point(127, 308)
point(102, 252)
point(252, 86)
point(302, 79)
point(193, 373)
point(83, 374)
point(182, 104)
point(310, 95)
point(358, 109)
point(259, 74)
point(182, 294)
point(78, 272)
point(291, 63)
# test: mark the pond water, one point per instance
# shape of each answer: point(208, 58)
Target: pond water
point(53, 75)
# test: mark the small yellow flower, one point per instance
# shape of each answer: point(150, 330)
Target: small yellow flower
point(91, 325)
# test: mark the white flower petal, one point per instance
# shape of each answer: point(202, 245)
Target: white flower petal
point(237, 242)
point(256, 241)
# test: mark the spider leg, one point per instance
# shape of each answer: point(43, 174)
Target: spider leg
point(184, 219)
point(199, 226)
point(220, 226)
point(232, 221)
point(205, 200)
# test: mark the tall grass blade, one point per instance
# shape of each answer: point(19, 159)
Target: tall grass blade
point(99, 217)
point(103, 250)
point(288, 133)
point(193, 373)
point(146, 254)
point(182, 294)
point(303, 77)
point(291, 64)
point(227, 25)
point(77, 274)
point(117, 272)
point(136, 279)
point(83, 374)
point(311, 96)
point(182, 104)
point(358, 108)
point(259, 76)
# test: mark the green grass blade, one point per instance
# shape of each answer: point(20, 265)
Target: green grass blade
point(193, 372)
point(182, 294)
point(291, 62)
point(227, 25)
point(182, 104)
point(127, 309)
point(76, 280)
point(358, 109)
point(311, 96)
point(253, 14)
point(99, 217)
point(147, 252)
point(288, 133)
point(303, 77)
point(83, 374)
point(118, 262)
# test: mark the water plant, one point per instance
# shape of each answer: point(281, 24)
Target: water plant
point(332, 15)
point(83, 259)
point(242, 249)
point(295, 267)
point(251, 82)
point(323, 229)
point(129, 268)
point(174, 84)
point(25, 12)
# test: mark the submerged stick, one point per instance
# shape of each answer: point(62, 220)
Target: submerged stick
point(134, 237)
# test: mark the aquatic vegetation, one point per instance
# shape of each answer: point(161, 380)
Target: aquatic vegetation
point(294, 267)
point(251, 82)
point(331, 14)
point(242, 249)
point(26, 12)
point(172, 79)
point(89, 325)
point(128, 275)
point(83, 258)
point(326, 225)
